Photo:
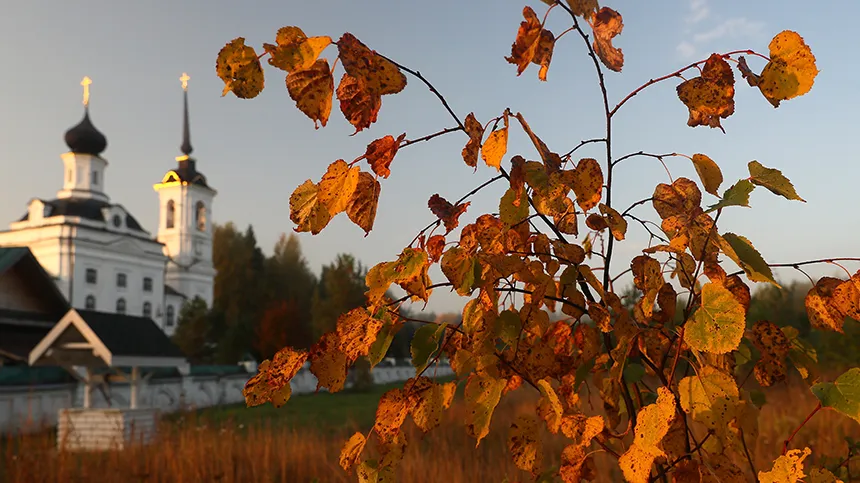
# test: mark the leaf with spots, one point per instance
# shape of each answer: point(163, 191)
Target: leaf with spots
point(462, 270)
point(306, 209)
point(788, 468)
point(524, 443)
point(380, 153)
point(445, 211)
point(513, 208)
point(617, 224)
point(736, 195)
point(711, 397)
point(239, 67)
point(791, 70)
point(425, 343)
point(337, 186)
point(482, 395)
point(295, 50)
point(583, 8)
point(362, 205)
point(608, 24)
point(841, 395)
point(710, 96)
point(429, 399)
point(272, 381)
point(351, 451)
point(774, 346)
point(709, 173)
point(549, 406)
point(391, 413)
point(773, 180)
point(328, 362)
point(380, 74)
point(312, 89)
point(475, 131)
point(357, 330)
point(822, 307)
point(718, 324)
point(588, 183)
point(528, 39)
point(742, 252)
point(543, 52)
point(359, 105)
point(410, 265)
point(435, 246)
point(652, 424)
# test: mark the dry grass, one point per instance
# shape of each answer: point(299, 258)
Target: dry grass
point(192, 450)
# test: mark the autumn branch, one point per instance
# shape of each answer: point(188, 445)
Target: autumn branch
point(803, 423)
point(430, 136)
point(808, 262)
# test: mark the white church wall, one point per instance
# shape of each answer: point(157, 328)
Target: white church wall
point(27, 409)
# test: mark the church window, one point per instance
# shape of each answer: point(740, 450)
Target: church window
point(147, 284)
point(120, 306)
point(147, 309)
point(169, 318)
point(90, 302)
point(171, 213)
point(95, 177)
point(201, 216)
point(92, 276)
point(121, 280)
point(117, 221)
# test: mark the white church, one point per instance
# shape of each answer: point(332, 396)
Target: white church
point(99, 256)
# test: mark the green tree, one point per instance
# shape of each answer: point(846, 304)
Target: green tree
point(290, 281)
point(341, 288)
point(195, 335)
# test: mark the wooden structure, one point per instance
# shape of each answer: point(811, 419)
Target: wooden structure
point(87, 342)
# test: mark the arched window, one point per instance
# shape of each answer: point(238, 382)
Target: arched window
point(90, 302)
point(201, 216)
point(169, 319)
point(120, 306)
point(170, 215)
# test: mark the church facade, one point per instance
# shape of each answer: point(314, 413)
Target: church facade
point(98, 254)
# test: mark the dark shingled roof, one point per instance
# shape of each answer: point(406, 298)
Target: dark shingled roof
point(87, 208)
point(187, 172)
point(168, 290)
point(84, 138)
point(128, 335)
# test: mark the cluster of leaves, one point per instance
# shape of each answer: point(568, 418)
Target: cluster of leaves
point(503, 344)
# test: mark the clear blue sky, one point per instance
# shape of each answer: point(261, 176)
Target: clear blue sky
point(256, 152)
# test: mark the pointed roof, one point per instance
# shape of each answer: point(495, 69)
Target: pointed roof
point(186, 171)
point(84, 138)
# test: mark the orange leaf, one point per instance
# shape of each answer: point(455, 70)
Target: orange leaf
point(711, 96)
point(543, 53)
point(435, 245)
point(312, 89)
point(390, 414)
point(380, 153)
point(526, 44)
point(448, 213)
point(476, 132)
point(607, 24)
point(272, 381)
point(328, 362)
point(588, 183)
point(362, 206)
point(359, 105)
point(381, 75)
point(495, 147)
point(357, 331)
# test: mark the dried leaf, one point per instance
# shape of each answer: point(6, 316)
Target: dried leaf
point(588, 183)
point(362, 205)
point(435, 245)
point(791, 70)
point(476, 132)
point(711, 96)
point(328, 362)
point(381, 75)
point(482, 395)
point(607, 24)
point(448, 213)
point(239, 67)
point(524, 443)
point(295, 50)
point(359, 105)
point(391, 413)
point(351, 451)
point(380, 153)
point(526, 44)
point(788, 468)
point(306, 209)
point(272, 381)
point(337, 186)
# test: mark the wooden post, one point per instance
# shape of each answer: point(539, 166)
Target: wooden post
point(135, 381)
point(88, 389)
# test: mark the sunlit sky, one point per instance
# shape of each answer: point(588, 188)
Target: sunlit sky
point(255, 152)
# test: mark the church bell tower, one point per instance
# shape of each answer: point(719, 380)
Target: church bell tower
point(185, 220)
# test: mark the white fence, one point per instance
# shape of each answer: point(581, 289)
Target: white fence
point(28, 408)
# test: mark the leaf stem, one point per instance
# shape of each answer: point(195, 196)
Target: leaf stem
point(430, 136)
point(807, 262)
point(793, 433)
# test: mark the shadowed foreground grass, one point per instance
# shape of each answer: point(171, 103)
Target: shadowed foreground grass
point(301, 443)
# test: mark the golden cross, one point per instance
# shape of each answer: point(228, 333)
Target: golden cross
point(86, 83)
point(184, 80)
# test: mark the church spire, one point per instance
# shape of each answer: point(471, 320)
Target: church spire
point(186, 131)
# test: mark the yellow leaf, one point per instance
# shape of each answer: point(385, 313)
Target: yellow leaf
point(652, 425)
point(709, 173)
point(788, 468)
point(524, 443)
point(272, 381)
point(600, 315)
point(362, 205)
point(390, 414)
point(357, 331)
point(306, 210)
point(588, 183)
point(328, 362)
point(718, 324)
point(679, 198)
point(381, 75)
point(526, 44)
point(583, 8)
point(823, 313)
point(476, 132)
point(359, 105)
point(582, 429)
point(573, 457)
point(337, 186)
point(617, 223)
point(822, 475)
point(351, 451)
point(711, 96)
point(482, 395)
point(513, 207)
point(294, 50)
point(380, 153)
point(607, 24)
point(495, 147)
point(549, 406)
point(428, 399)
point(239, 67)
point(712, 398)
point(791, 70)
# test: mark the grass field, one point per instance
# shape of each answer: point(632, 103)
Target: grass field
point(301, 442)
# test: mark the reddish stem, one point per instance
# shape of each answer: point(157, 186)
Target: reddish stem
point(793, 433)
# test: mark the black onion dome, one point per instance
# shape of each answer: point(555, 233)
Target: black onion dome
point(85, 138)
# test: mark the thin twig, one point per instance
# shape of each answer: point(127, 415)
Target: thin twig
point(793, 433)
point(749, 457)
point(581, 144)
point(430, 136)
point(808, 262)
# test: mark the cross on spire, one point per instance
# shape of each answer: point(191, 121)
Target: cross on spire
point(186, 130)
point(184, 80)
point(86, 83)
